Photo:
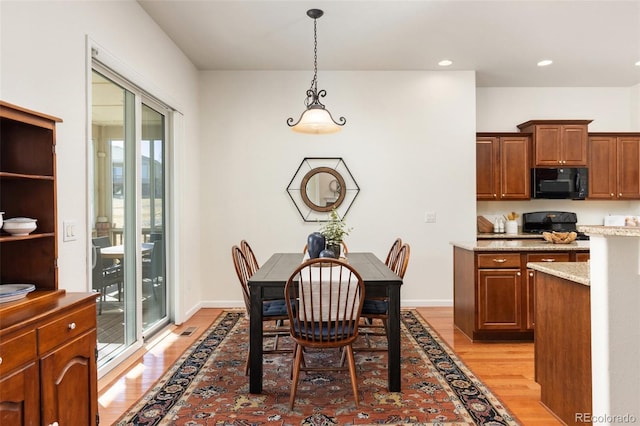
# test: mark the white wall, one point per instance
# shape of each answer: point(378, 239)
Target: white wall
point(44, 68)
point(612, 109)
point(409, 142)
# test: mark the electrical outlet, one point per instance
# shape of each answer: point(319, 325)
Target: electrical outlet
point(430, 217)
point(69, 230)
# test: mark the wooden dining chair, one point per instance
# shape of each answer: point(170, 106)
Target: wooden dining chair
point(250, 256)
point(378, 309)
point(328, 295)
point(393, 253)
point(272, 310)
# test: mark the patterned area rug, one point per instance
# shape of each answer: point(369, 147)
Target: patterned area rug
point(208, 386)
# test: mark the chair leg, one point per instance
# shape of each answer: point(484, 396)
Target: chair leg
point(352, 374)
point(296, 376)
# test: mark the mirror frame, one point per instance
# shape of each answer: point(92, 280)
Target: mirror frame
point(305, 195)
point(309, 167)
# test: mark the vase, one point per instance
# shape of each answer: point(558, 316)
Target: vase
point(315, 244)
point(335, 248)
point(328, 253)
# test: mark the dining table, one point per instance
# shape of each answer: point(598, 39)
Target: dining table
point(117, 251)
point(268, 283)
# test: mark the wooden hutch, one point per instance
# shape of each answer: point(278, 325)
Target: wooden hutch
point(48, 372)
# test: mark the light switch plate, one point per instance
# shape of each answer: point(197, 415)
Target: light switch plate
point(69, 229)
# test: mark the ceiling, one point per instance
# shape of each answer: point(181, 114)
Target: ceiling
point(591, 43)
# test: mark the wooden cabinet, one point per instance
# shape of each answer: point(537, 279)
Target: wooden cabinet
point(614, 166)
point(494, 292)
point(48, 369)
point(558, 143)
point(502, 166)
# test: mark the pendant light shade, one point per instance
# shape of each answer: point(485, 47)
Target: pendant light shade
point(316, 118)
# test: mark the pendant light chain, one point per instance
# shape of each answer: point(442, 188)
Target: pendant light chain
point(314, 82)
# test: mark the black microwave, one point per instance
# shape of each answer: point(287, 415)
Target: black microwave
point(571, 183)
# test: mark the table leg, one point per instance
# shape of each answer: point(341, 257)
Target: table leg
point(394, 339)
point(255, 341)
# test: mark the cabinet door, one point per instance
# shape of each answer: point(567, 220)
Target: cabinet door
point(628, 168)
point(487, 168)
point(69, 383)
point(514, 168)
point(602, 167)
point(573, 145)
point(530, 289)
point(499, 299)
point(547, 145)
point(20, 397)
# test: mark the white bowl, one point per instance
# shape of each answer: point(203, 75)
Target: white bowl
point(19, 225)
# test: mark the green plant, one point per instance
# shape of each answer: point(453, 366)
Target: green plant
point(335, 229)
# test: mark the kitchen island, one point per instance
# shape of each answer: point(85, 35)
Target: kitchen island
point(494, 289)
point(563, 339)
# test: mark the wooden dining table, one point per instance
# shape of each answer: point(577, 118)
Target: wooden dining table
point(268, 283)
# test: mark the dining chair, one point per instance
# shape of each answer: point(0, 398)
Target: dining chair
point(153, 269)
point(272, 310)
point(327, 297)
point(378, 308)
point(104, 277)
point(250, 256)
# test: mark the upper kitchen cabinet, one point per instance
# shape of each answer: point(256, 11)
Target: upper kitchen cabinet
point(502, 166)
point(558, 143)
point(614, 166)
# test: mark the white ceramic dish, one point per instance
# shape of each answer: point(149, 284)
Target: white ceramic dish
point(11, 292)
point(19, 226)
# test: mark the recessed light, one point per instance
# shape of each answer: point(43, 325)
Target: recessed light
point(445, 62)
point(638, 64)
point(545, 62)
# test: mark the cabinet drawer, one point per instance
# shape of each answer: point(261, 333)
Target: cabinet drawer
point(548, 257)
point(17, 351)
point(499, 260)
point(66, 328)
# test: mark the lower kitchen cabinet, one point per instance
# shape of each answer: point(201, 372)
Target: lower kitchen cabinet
point(48, 371)
point(494, 292)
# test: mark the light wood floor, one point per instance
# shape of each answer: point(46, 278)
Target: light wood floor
point(506, 368)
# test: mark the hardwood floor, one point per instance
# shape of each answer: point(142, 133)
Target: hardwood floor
point(506, 368)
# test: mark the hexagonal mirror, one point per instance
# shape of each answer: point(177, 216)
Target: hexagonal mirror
point(321, 184)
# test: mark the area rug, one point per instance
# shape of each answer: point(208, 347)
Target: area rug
point(208, 386)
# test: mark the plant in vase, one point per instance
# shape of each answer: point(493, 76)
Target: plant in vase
point(334, 232)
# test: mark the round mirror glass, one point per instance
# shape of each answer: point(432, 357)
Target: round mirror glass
point(322, 189)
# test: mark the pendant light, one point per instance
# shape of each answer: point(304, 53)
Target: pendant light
point(316, 119)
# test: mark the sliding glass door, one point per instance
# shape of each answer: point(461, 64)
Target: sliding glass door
point(128, 214)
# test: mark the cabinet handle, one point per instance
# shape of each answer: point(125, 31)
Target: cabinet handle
point(495, 195)
point(72, 326)
point(620, 194)
point(499, 260)
point(531, 273)
point(0, 360)
point(548, 259)
point(518, 273)
point(54, 424)
point(613, 195)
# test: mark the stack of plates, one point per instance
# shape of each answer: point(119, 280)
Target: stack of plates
point(11, 292)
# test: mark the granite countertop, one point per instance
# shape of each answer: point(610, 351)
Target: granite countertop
point(505, 236)
point(620, 231)
point(520, 245)
point(573, 271)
